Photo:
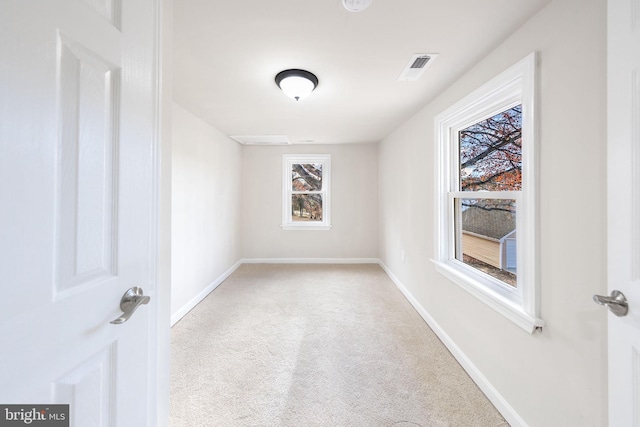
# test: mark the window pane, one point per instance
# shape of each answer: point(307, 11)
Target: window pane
point(491, 153)
point(306, 207)
point(486, 236)
point(306, 177)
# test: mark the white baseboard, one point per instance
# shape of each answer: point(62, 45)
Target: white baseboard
point(487, 388)
point(175, 317)
point(310, 261)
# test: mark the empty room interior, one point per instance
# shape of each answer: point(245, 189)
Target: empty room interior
point(369, 170)
point(320, 213)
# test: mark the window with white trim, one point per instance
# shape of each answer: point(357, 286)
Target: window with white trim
point(306, 186)
point(486, 238)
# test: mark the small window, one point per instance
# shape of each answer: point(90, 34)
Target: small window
point(306, 192)
point(486, 221)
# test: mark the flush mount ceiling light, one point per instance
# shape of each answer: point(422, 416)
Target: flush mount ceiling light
point(296, 84)
point(356, 5)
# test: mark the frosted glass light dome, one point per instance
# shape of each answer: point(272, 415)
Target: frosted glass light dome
point(296, 84)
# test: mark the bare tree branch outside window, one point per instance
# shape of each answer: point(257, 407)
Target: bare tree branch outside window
point(306, 181)
point(490, 160)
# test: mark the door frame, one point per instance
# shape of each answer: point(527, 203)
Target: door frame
point(159, 366)
point(623, 28)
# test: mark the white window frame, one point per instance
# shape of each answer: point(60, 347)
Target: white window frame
point(516, 85)
point(288, 160)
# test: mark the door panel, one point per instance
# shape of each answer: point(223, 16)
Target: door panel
point(89, 107)
point(88, 389)
point(110, 9)
point(78, 191)
point(623, 124)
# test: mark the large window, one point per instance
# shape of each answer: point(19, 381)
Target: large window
point(486, 216)
point(306, 192)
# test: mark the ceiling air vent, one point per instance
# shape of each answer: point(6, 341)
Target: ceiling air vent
point(416, 66)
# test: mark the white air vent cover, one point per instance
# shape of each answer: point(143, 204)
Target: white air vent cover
point(416, 66)
point(262, 139)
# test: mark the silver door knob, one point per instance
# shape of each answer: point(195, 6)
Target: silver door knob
point(131, 300)
point(616, 303)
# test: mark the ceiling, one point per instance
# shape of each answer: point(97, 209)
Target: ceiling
point(227, 53)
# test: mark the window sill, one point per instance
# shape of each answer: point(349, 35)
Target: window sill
point(510, 309)
point(306, 227)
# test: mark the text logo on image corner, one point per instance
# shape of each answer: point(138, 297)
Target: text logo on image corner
point(34, 415)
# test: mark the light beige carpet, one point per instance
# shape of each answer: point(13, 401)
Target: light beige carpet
point(316, 345)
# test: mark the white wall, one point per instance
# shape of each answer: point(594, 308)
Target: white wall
point(206, 179)
point(354, 201)
point(557, 377)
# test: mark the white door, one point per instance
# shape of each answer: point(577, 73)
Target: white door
point(77, 206)
point(624, 208)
